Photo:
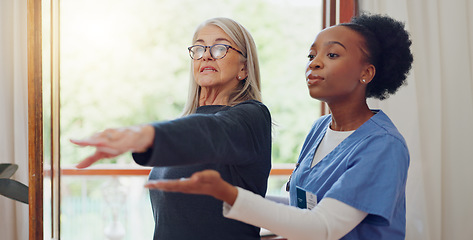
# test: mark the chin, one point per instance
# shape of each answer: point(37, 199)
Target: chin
point(314, 94)
point(205, 82)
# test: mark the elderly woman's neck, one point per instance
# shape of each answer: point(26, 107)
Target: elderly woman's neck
point(213, 97)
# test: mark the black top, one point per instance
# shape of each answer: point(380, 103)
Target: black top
point(235, 141)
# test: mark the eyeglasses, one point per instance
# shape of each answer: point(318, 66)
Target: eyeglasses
point(217, 51)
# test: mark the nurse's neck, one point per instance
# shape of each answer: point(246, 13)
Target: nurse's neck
point(349, 119)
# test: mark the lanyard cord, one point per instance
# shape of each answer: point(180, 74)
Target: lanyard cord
point(290, 177)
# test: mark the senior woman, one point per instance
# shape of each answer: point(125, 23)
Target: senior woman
point(224, 127)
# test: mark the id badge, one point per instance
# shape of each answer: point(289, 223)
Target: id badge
point(305, 199)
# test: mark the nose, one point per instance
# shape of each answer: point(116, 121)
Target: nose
point(207, 55)
point(315, 63)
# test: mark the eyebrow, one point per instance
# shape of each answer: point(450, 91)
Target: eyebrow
point(331, 43)
point(335, 43)
point(216, 40)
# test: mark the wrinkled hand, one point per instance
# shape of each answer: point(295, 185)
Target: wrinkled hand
point(207, 182)
point(116, 141)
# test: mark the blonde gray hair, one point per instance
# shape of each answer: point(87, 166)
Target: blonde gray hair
point(248, 89)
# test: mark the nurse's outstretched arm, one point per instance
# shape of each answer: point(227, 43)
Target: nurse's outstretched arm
point(207, 182)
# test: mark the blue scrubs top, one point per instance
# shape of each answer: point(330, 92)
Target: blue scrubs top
point(367, 170)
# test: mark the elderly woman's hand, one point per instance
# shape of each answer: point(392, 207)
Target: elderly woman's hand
point(115, 141)
point(207, 182)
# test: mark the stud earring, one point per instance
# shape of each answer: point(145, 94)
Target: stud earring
point(239, 78)
point(363, 80)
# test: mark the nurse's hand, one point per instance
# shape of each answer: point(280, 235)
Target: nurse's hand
point(207, 182)
point(116, 141)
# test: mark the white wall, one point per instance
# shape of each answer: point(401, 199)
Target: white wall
point(435, 114)
point(13, 112)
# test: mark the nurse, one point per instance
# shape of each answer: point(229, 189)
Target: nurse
point(350, 179)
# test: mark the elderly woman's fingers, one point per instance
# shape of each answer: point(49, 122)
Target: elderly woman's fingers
point(87, 142)
point(90, 160)
point(115, 141)
point(100, 153)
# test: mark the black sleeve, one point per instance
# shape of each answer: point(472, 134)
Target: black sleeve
point(234, 136)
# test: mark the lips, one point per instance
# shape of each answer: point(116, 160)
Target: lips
point(313, 78)
point(208, 69)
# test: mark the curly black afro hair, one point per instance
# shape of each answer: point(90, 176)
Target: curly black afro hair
point(388, 46)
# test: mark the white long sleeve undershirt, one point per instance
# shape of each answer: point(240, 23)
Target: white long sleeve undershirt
point(330, 219)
